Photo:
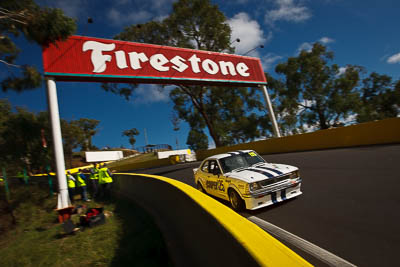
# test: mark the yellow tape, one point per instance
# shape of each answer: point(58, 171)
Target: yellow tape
point(265, 249)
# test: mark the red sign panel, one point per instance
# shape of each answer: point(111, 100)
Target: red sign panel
point(102, 60)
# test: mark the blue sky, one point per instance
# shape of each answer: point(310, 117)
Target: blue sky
point(359, 32)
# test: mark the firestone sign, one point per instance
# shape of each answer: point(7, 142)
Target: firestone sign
point(101, 60)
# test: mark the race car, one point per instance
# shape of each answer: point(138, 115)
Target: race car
point(246, 180)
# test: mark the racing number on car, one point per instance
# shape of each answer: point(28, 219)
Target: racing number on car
point(218, 185)
point(252, 154)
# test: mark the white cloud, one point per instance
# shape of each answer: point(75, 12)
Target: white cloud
point(351, 119)
point(308, 46)
point(287, 10)
point(269, 60)
point(394, 59)
point(249, 32)
point(326, 40)
point(309, 128)
point(211, 144)
point(304, 46)
point(151, 93)
point(342, 70)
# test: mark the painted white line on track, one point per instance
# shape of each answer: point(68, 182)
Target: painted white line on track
point(317, 252)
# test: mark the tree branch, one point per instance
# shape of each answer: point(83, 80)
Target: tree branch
point(9, 64)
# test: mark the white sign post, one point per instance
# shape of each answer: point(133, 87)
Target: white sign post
point(270, 111)
point(63, 197)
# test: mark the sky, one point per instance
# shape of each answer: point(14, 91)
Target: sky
point(359, 32)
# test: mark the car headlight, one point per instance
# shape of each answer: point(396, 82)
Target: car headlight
point(254, 186)
point(294, 175)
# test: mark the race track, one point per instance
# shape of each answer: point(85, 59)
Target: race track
point(350, 202)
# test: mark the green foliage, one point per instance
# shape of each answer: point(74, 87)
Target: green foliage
point(380, 98)
point(198, 24)
point(131, 133)
point(73, 137)
point(197, 139)
point(21, 145)
point(129, 237)
point(315, 93)
point(30, 78)
point(21, 135)
point(88, 126)
point(39, 25)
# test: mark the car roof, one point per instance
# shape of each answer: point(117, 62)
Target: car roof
point(228, 154)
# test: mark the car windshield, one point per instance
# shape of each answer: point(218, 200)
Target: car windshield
point(243, 160)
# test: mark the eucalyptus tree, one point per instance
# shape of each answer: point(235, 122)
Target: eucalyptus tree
point(131, 133)
point(380, 98)
point(88, 127)
point(315, 92)
point(223, 111)
point(38, 25)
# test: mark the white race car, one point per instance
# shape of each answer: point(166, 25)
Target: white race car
point(246, 180)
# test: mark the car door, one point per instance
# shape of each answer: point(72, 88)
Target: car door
point(218, 183)
point(204, 176)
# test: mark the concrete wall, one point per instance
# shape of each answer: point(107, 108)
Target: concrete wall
point(200, 231)
point(378, 132)
point(166, 154)
point(121, 166)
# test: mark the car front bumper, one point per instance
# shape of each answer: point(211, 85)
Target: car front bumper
point(265, 199)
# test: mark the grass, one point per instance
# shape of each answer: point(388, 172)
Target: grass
point(129, 236)
point(142, 157)
point(133, 160)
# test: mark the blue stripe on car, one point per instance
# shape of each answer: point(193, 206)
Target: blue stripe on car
point(273, 197)
point(270, 169)
point(269, 175)
point(283, 194)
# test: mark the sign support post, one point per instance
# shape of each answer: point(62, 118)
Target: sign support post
point(63, 197)
point(270, 111)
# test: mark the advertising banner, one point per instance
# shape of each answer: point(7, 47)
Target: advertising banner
point(88, 59)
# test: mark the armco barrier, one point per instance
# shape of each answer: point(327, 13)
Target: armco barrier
point(378, 132)
point(200, 231)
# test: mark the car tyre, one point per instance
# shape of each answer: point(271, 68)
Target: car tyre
point(200, 188)
point(236, 201)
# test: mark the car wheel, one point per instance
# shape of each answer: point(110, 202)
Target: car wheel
point(200, 187)
point(236, 201)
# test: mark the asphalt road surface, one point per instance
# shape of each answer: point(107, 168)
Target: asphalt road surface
point(350, 204)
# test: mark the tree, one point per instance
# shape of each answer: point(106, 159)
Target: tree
point(198, 24)
point(131, 135)
point(197, 139)
point(39, 25)
point(22, 134)
point(73, 137)
point(284, 107)
point(380, 98)
point(21, 145)
point(88, 127)
point(316, 93)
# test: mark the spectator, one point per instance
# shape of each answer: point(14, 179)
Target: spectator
point(81, 178)
point(71, 186)
point(94, 178)
point(105, 181)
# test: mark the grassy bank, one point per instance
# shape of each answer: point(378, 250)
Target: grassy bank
point(129, 236)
